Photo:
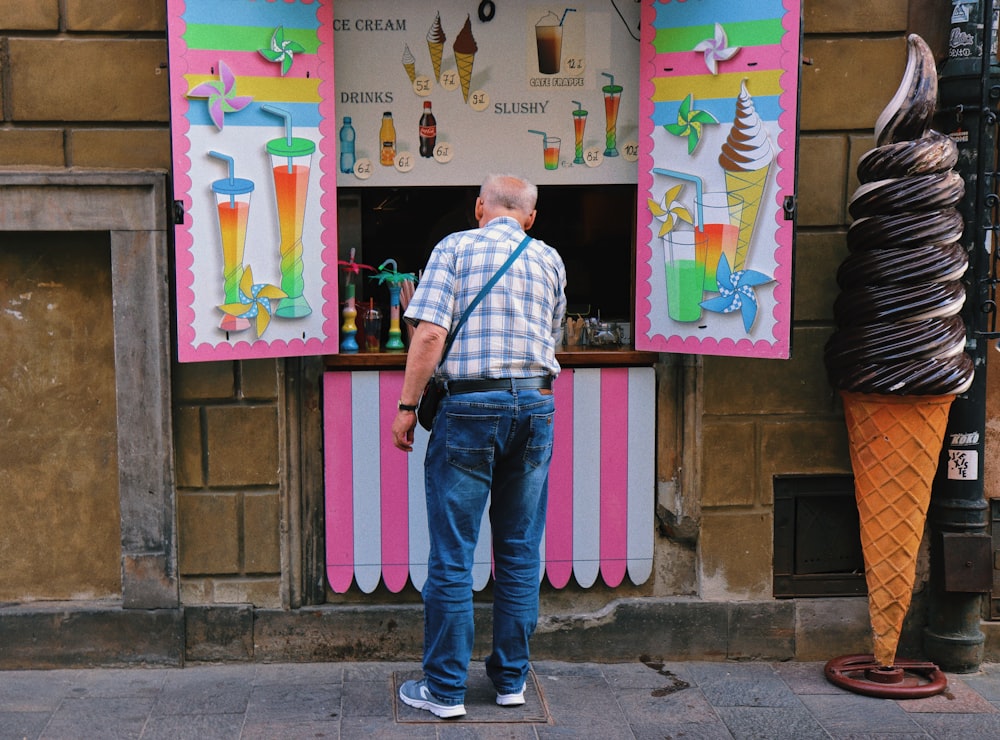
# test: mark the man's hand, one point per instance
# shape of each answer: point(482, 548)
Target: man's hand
point(402, 430)
point(425, 351)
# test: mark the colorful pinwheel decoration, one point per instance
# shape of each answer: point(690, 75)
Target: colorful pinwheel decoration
point(255, 301)
point(736, 292)
point(281, 50)
point(395, 281)
point(716, 49)
point(690, 122)
point(221, 94)
point(671, 211)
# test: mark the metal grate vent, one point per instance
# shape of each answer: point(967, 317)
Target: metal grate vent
point(817, 539)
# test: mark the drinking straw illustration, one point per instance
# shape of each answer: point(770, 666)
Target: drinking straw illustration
point(568, 10)
point(233, 215)
point(291, 158)
point(394, 279)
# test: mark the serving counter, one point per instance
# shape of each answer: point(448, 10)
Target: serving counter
point(601, 480)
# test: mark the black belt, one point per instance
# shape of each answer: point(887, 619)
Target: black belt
point(498, 384)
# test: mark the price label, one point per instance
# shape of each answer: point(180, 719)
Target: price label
point(594, 156)
point(422, 85)
point(479, 100)
point(443, 152)
point(404, 162)
point(449, 79)
point(630, 151)
point(575, 66)
point(363, 169)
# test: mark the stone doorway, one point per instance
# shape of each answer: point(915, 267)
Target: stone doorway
point(129, 213)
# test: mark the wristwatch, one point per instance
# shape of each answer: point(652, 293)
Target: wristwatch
point(405, 406)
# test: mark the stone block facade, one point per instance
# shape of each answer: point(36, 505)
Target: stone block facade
point(83, 84)
point(227, 439)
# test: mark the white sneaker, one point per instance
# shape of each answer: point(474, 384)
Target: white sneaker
point(417, 695)
point(511, 700)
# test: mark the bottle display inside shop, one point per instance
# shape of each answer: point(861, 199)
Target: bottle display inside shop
point(387, 140)
point(347, 135)
point(428, 131)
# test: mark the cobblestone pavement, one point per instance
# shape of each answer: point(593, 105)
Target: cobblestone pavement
point(587, 700)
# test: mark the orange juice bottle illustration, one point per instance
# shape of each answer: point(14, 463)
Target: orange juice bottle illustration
point(387, 140)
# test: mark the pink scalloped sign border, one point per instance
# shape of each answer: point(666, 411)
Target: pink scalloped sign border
point(305, 86)
point(757, 45)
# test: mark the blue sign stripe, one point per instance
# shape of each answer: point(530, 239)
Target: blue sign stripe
point(672, 15)
point(230, 13)
point(724, 109)
point(303, 114)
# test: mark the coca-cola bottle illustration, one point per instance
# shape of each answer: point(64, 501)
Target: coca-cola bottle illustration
point(428, 131)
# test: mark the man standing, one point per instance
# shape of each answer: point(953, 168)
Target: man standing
point(492, 435)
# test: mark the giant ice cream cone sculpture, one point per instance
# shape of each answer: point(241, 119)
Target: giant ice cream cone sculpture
point(898, 353)
point(465, 49)
point(746, 159)
point(435, 45)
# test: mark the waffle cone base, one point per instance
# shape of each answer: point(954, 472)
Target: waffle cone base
point(895, 442)
point(465, 62)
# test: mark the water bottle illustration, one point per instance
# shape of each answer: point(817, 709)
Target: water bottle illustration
point(347, 146)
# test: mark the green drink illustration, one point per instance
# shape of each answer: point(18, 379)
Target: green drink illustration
point(291, 160)
point(685, 274)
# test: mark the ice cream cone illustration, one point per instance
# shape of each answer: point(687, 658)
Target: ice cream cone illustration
point(465, 49)
point(435, 45)
point(746, 159)
point(410, 63)
point(894, 442)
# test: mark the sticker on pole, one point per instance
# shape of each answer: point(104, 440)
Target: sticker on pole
point(963, 464)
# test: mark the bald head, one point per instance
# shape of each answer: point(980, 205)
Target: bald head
point(507, 195)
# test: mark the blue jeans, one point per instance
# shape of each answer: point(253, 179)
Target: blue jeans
point(499, 442)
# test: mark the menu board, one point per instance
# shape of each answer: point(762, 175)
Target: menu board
point(718, 124)
point(444, 93)
point(253, 132)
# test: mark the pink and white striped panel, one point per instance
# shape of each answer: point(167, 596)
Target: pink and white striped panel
point(601, 483)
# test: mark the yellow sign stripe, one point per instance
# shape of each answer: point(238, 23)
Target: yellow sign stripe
point(289, 89)
point(707, 87)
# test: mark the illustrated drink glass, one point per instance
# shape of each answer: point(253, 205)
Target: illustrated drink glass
point(579, 125)
point(552, 144)
point(722, 213)
point(290, 163)
point(233, 206)
point(685, 274)
point(548, 41)
point(612, 98)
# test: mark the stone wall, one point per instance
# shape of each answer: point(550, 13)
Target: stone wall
point(226, 428)
point(83, 84)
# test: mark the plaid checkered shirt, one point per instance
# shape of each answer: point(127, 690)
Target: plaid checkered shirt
point(514, 330)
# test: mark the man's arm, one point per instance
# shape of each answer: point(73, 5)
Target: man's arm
point(421, 360)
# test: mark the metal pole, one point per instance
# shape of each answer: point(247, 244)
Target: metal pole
point(959, 543)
